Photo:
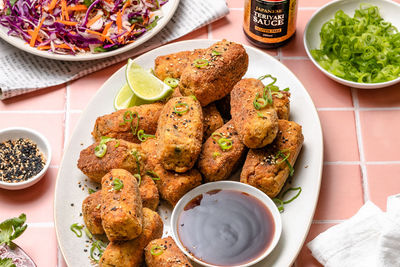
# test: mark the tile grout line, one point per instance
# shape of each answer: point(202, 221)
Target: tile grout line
point(364, 176)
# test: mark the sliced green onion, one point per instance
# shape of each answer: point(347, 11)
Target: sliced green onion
point(77, 229)
point(225, 143)
point(181, 108)
point(279, 204)
point(194, 97)
point(138, 177)
point(359, 48)
point(171, 82)
point(134, 131)
point(99, 246)
point(285, 159)
point(277, 94)
point(157, 250)
point(215, 135)
point(294, 197)
point(116, 144)
point(143, 137)
point(100, 150)
point(200, 62)
point(259, 114)
point(91, 191)
point(98, 206)
point(216, 154)
point(88, 233)
point(268, 76)
point(267, 95)
point(117, 184)
point(216, 53)
point(259, 102)
point(128, 116)
point(153, 175)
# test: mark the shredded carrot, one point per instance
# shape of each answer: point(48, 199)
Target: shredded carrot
point(124, 7)
point(93, 20)
point(101, 35)
point(66, 22)
point(64, 12)
point(38, 38)
point(36, 33)
point(119, 21)
point(52, 5)
point(47, 47)
point(77, 8)
point(106, 28)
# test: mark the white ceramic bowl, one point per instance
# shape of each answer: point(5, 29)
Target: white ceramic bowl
point(389, 10)
point(227, 185)
point(42, 144)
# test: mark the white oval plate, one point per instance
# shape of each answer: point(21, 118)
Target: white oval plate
point(389, 11)
point(168, 11)
point(298, 215)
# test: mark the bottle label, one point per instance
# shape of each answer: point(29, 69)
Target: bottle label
point(270, 21)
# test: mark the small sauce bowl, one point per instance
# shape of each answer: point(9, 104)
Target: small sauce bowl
point(225, 231)
point(43, 146)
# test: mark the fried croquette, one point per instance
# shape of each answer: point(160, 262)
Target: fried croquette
point(131, 253)
point(212, 76)
point(125, 123)
point(212, 120)
point(180, 133)
point(171, 186)
point(282, 104)
point(91, 212)
point(149, 193)
point(216, 163)
point(121, 206)
point(165, 253)
point(268, 168)
point(172, 65)
point(256, 127)
point(120, 154)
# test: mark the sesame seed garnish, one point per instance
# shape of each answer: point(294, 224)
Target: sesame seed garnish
point(19, 160)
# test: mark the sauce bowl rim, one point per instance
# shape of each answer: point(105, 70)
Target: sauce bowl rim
point(227, 185)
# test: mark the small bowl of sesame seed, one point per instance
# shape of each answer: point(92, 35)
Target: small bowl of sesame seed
point(25, 156)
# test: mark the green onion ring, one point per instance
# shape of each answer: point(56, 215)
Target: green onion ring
point(153, 175)
point(171, 82)
point(154, 248)
point(128, 119)
point(77, 229)
point(268, 96)
point(117, 184)
point(201, 62)
point(279, 203)
point(277, 94)
point(216, 154)
point(225, 143)
point(194, 97)
point(179, 110)
point(143, 137)
point(216, 53)
point(286, 159)
point(214, 135)
point(268, 76)
point(88, 233)
point(293, 198)
point(91, 191)
point(138, 177)
point(100, 150)
point(100, 248)
point(137, 123)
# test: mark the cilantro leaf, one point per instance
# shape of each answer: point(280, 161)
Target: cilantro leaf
point(12, 228)
point(6, 262)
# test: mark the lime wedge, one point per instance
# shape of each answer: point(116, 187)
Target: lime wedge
point(145, 85)
point(125, 98)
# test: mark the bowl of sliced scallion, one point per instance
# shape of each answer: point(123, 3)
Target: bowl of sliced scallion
point(356, 42)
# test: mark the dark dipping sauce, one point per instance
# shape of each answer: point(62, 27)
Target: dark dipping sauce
point(226, 227)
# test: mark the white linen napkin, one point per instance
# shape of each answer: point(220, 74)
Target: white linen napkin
point(369, 238)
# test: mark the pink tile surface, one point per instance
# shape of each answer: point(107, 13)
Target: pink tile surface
point(383, 97)
point(380, 132)
point(383, 181)
point(230, 28)
point(342, 185)
point(40, 244)
point(324, 92)
point(82, 90)
point(36, 201)
point(340, 140)
point(49, 124)
point(295, 48)
point(305, 259)
point(341, 193)
point(52, 98)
